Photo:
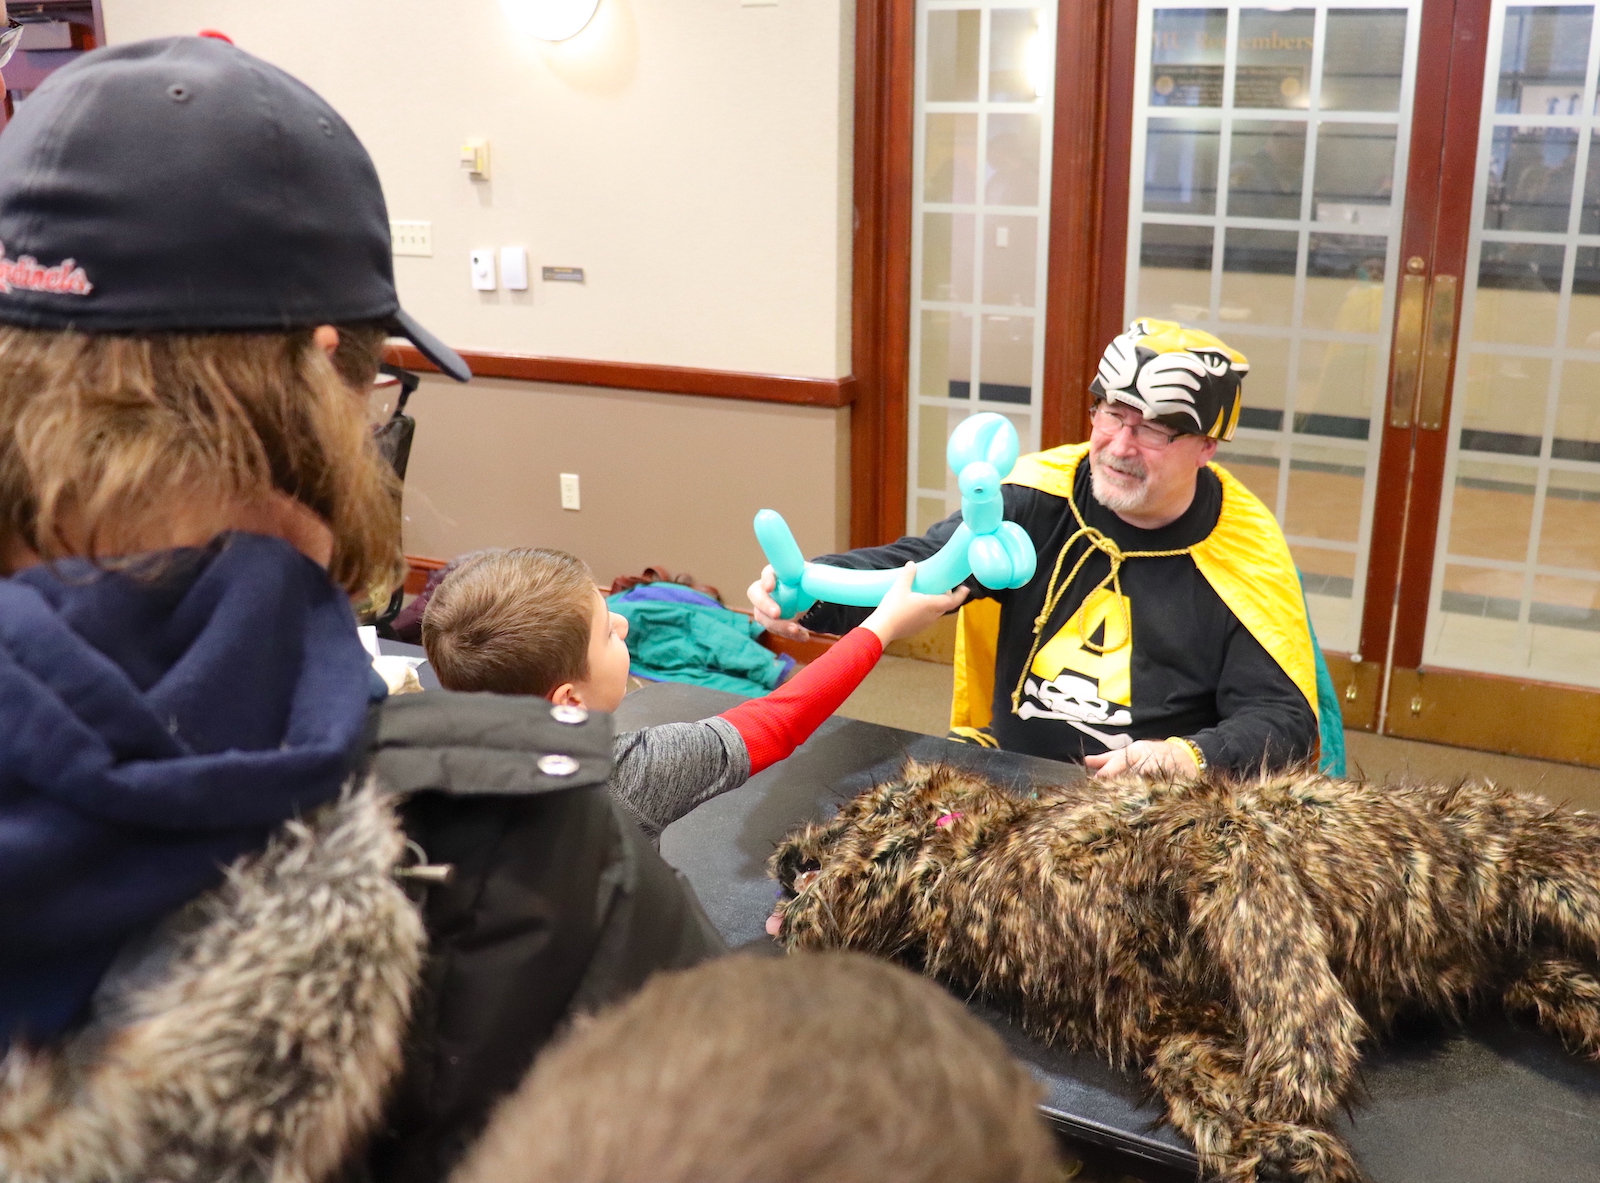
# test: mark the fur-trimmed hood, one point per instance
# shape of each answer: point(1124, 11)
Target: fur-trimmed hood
point(255, 1039)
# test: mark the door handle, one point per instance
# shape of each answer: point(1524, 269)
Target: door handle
point(1437, 353)
point(1408, 347)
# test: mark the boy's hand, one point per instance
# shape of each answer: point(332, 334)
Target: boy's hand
point(766, 611)
point(904, 613)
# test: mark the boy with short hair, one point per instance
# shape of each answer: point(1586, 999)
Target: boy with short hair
point(811, 1068)
point(531, 621)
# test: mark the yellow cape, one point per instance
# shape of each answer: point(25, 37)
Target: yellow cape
point(1245, 558)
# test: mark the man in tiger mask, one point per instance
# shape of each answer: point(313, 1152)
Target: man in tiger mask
point(1165, 630)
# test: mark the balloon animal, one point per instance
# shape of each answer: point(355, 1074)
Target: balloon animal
point(981, 453)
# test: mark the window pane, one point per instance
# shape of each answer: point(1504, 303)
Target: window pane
point(1266, 386)
point(1339, 383)
point(1325, 572)
point(1175, 272)
point(1186, 49)
point(934, 425)
point(946, 356)
point(1505, 404)
point(1013, 161)
point(1589, 221)
point(1583, 310)
point(1325, 487)
point(1010, 257)
point(953, 55)
point(947, 257)
point(1578, 415)
point(1355, 174)
point(1363, 59)
point(1255, 463)
point(1542, 58)
point(1492, 516)
point(1344, 283)
point(1180, 170)
point(1258, 276)
point(1016, 71)
point(1274, 67)
point(1530, 178)
point(950, 170)
point(1007, 359)
point(1569, 536)
point(1518, 290)
point(1264, 180)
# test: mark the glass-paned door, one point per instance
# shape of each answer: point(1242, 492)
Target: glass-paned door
point(1516, 576)
point(981, 170)
point(1268, 173)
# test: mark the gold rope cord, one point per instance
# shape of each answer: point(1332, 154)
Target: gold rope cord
point(1053, 595)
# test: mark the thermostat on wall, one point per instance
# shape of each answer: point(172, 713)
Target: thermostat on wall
point(562, 274)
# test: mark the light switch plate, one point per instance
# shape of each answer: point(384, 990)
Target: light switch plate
point(514, 268)
point(569, 490)
point(483, 270)
point(411, 238)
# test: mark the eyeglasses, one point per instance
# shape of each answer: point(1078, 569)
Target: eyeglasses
point(1111, 420)
point(10, 38)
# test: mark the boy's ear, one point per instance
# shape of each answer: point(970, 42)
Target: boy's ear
point(566, 694)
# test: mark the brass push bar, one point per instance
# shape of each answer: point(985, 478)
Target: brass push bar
point(1423, 348)
point(1408, 347)
point(1437, 352)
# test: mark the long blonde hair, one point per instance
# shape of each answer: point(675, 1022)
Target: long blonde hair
point(103, 434)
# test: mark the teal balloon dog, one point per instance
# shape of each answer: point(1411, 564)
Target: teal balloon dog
point(981, 452)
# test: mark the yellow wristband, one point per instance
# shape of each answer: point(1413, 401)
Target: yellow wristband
point(1193, 749)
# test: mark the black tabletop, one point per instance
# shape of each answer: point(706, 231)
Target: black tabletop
point(425, 674)
point(1495, 1102)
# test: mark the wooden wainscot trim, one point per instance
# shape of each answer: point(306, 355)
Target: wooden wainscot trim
point(1491, 713)
point(618, 375)
point(418, 571)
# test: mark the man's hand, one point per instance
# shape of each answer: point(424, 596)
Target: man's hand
point(767, 613)
point(904, 613)
point(1145, 757)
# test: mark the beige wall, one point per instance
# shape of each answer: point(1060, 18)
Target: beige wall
point(691, 155)
point(694, 157)
point(666, 479)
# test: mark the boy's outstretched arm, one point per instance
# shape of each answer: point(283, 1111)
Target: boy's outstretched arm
point(661, 773)
point(775, 725)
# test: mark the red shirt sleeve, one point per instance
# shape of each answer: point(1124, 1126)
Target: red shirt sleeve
point(776, 725)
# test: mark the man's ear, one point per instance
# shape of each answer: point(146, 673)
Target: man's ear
point(325, 338)
point(1208, 449)
point(566, 694)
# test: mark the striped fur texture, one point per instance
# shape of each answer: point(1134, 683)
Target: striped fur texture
point(1237, 941)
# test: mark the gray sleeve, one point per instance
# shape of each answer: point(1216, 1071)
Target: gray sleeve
point(660, 773)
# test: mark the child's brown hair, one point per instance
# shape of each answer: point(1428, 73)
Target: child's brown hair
point(511, 622)
point(103, 435)
point(814, 1068)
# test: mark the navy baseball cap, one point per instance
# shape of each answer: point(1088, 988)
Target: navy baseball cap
point(181, 184)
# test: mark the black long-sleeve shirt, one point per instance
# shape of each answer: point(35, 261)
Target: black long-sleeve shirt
point(1192, 670)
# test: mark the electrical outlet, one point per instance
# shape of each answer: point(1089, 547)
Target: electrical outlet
point(569, 490)
point(411, 238)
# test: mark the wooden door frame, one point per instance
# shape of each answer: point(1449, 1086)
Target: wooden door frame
point(1090, 159)
point(1436, 229)
point(1492, 712)
point(880, 305)
point(1088, 233)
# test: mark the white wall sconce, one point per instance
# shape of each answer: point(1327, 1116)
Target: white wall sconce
point(550, 20)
